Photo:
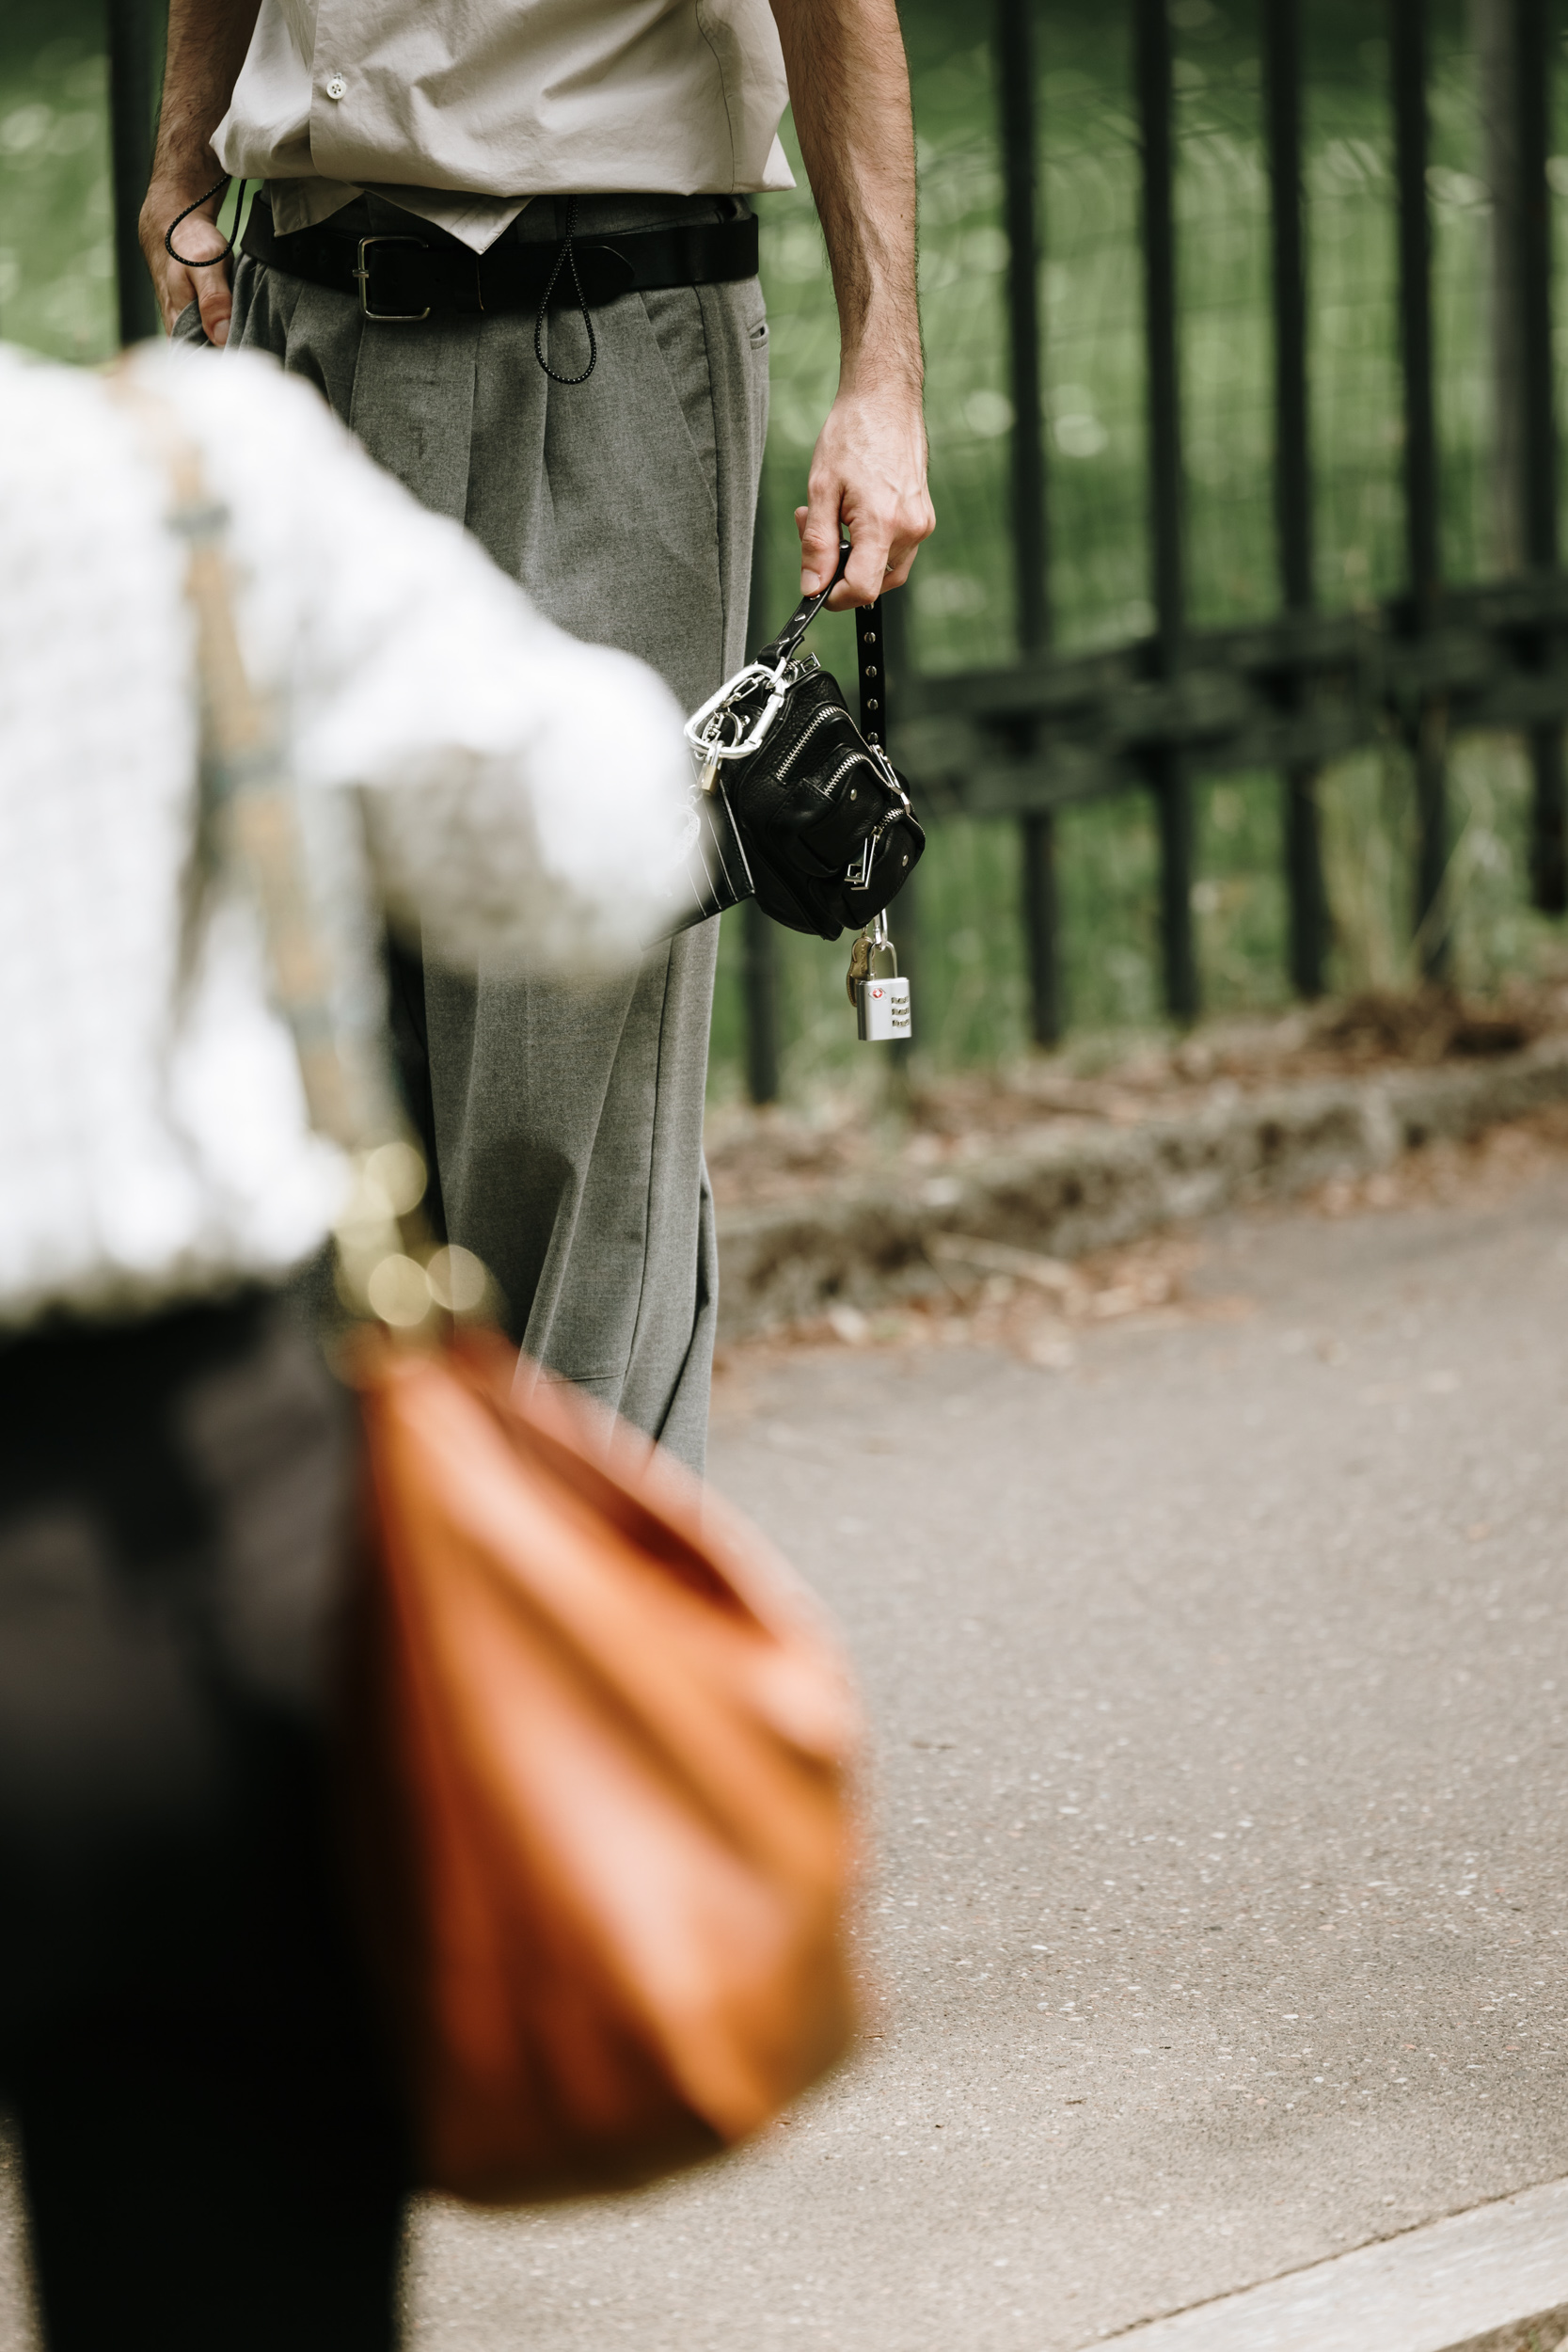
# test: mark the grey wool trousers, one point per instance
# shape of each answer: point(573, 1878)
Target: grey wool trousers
point(568, 1118)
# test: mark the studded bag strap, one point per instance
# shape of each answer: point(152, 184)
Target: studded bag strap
point(871, 650)
point(802, 617)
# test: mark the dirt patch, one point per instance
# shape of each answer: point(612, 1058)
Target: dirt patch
point(1548, 2332)
point(1043, 1310)
point(1474, 1173)
point(1037, 1308)
point(771, 1158)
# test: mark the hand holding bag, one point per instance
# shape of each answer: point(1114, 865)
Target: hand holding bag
point(795, 804)
point(597, 1746)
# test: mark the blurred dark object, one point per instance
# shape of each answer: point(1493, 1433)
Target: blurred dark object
point(131, 128)
point(210, 2153)
point(408, 1027)
point(596, 1761)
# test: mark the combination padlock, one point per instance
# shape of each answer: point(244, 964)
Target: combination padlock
point(881, 998)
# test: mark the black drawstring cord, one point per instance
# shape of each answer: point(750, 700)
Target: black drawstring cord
point(227, 252)
point(565, 256)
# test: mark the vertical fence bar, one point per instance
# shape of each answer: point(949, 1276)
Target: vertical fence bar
point(759, 984)
point(1015, 56)
point(759, 946)
point(1282, 21)
point(1016, 87)
point(1167, 772)
point(1042, 926)
point(1428, 725)
point(130, 39)
point(1533, 49)
point(1155, 109)
point(1409, 55)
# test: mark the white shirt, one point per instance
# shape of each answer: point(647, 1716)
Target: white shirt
point(460, 110)
point(526, 792)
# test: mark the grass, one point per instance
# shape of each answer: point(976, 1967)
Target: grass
point(960, 927)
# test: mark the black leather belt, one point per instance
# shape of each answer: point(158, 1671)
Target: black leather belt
point(403, 276)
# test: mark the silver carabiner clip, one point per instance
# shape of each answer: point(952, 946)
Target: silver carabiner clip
point(705, 728)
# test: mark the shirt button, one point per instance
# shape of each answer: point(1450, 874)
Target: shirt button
point(337, 87)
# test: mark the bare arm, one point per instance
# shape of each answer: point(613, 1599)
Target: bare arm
point(206, 42)
point(849, 87)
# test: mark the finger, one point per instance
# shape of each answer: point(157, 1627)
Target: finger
point(217, 304)
point(900, 560)
point(906, 544)
point(866, 572)
point(818, 528)
point(176, 293)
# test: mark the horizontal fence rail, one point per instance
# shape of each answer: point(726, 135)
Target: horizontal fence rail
point(1294, 693)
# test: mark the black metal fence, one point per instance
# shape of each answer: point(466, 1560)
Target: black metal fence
point(1304, 687)
point(1161, 714)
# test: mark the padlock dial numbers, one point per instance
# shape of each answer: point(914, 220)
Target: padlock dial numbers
point(882, 1010)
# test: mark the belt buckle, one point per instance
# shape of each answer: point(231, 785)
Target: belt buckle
point(387, 318)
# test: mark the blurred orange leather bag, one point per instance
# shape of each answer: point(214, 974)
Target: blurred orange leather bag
point(595, 1745)
point(597, 1755)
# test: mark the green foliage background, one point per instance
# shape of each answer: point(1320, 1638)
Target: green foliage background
point(962, 934)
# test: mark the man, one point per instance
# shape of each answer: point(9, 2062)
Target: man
point(428, 166)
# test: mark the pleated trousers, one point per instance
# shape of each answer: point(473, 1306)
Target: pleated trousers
point(568, 1118)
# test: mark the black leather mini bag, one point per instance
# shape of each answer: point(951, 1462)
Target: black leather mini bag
point(795, 804)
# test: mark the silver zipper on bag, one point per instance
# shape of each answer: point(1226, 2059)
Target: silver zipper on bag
point(855, 759)
point(817, 719)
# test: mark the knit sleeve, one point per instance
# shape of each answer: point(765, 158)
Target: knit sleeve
point(528, 796)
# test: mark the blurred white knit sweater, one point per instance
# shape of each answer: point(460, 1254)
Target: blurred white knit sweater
point(526, 792)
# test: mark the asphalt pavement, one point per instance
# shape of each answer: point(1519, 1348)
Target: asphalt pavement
point(1220, 1922)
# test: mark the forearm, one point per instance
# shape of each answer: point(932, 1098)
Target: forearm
point(850, 90)
point(207, 43)
point(849, 87)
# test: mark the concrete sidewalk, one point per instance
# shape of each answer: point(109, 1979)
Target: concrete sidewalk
point(1222, 1699)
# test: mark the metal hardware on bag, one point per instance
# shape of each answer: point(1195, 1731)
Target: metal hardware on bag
point(385, 318)
point(882, 1011)
point(890, 772)
point(858, 876)
point(703, 729)
point(882, 998)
